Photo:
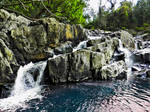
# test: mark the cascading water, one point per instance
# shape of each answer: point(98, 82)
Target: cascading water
point(81, 45)
point(25, 87)
point(128, 59)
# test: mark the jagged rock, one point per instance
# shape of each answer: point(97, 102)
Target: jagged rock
point(113, 70)
point(98, 60)
point(107, 48)
point(10, 21)
point(30, 42)
point(6, 70)
point(7, 59)
point(64, 48)
point(71, 67)
point(127, 40)
point(58, 69)
point(58, 32)
point(81, 64)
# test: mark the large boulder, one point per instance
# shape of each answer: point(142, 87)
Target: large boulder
point(29, 41)
point(127, 40)
point(71, 67)
point(113, 70)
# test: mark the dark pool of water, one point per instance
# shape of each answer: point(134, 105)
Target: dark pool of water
point(119, 96)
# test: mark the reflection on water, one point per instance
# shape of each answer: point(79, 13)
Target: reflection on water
point(95, 97)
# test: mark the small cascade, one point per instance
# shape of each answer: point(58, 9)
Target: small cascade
point(81, 45)
point(128, 59)
point(25, 87)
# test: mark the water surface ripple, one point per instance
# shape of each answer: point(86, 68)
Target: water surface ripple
point(116, 96)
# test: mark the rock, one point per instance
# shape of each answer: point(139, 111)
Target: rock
point(71, 67)
point(135, 68)
point(98, 60)
point(64, 48)
point(60, 32)
point(79, 66)
point(94, 42)
point(58, 69)
point(7, 59)
point(119, 56)
point(143, 55)
point(127, 40)
point(113, 70)
point(107, 48)
point(29, 41)
point(148, 73)
point(10, 21)
point(145, 37)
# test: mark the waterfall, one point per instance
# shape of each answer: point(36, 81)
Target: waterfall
point(81, 45)
point(128, 59)
point(25, 87)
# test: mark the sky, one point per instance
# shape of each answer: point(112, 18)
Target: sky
point(94, 5)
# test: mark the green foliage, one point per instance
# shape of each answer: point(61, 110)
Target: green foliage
point(70, 10)
point(140, 28)
point(124, 17)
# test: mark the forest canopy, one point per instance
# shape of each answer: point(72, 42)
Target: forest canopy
point(126, 16)
point(68, 10)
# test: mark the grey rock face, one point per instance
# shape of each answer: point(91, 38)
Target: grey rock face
point(127, 40)
point(113, 70)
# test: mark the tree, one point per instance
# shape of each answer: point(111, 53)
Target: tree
point(69, 10)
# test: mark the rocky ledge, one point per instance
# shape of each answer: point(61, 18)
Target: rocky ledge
point(23, 40)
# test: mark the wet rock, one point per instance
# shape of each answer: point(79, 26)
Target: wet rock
point(118, 56)
point(113, 70)
point(148, 73)
point(79, 66)
point(94, 42)
point(143, 55)
point(64, 48)
point(58, 69)
point(71, 67)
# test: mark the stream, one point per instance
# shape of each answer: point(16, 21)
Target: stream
point(27, 95)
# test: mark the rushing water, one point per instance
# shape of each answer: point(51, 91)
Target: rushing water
point(25, 88)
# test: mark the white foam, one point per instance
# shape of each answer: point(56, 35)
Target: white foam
point(25, 88)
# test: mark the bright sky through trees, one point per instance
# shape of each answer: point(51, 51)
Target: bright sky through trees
point(94, 4)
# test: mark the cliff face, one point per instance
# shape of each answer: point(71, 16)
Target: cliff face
point(23, 40)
